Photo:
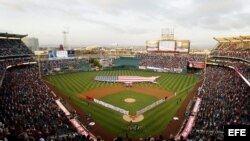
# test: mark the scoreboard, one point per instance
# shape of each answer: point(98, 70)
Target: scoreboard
point(182, 46)
point(176, 46)
point(60, 54)
point(167, 46)
point(152, 45)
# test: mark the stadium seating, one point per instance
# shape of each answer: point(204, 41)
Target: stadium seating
point(28, 109)
point(225, 94)
point(50, 66)
point(225, 101)
point(243, 68)
point(168, 61)
point(232, 49)
point(27, 105)
point(4, 63)
point(13, 47)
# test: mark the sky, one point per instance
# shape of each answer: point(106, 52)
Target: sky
point(125, 22)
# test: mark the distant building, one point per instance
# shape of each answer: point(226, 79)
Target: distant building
point(32, 43)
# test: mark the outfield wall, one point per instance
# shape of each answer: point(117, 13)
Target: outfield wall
point(157, 69)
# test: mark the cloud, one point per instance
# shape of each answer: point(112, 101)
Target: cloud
point(210, 13)
point(127, 18)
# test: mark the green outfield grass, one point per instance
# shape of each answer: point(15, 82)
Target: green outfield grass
point(117, 99)
point(154, 121)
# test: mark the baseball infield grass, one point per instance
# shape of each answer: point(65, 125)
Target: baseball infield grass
point(117, 99)
point(154, 121)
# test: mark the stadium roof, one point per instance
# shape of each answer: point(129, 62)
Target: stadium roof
point(8, 35)
point(233, 39)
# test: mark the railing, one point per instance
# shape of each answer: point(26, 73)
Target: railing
point(1, 79)
point(81, 129)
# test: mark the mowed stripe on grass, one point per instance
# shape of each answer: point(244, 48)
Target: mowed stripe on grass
point(117, 99)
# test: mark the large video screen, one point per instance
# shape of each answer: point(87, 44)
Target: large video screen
point(57, 54)
point(61, 54)
point(167, 46)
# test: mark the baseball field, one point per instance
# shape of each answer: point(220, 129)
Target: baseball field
point(175, 87)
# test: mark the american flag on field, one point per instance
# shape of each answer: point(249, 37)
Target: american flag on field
point(126, 79)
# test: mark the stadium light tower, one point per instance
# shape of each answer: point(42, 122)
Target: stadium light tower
point(167, 33)
point(65, 39)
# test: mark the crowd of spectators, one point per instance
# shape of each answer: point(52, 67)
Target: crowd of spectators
point(239, 54)
point(241, 66)
point(50, 66)
point(10, 62)
point(28, 108)
point(149, 138)
point(225, 101)
point(13, 47)
point(167, 61)
point(232, 49)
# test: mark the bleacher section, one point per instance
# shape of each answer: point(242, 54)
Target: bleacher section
point(233, 47)
point(13, 47)
point(29, 110)
point(167, 63)
point(222, 100)
point(5, 63)
point(63, 65)
point(224, 97)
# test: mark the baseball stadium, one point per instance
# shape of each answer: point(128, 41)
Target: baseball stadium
point(124, 70)
point(144, 96)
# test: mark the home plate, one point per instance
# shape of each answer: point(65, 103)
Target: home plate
point(130, 118)
point(175, 118)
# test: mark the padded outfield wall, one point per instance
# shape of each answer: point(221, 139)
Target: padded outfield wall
point(123, 63)
point(129, 63)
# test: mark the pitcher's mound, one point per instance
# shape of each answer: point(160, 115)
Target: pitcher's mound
point(129, 100)
point(130, 118)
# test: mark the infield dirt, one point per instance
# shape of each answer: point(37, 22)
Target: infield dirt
point(100, 92)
